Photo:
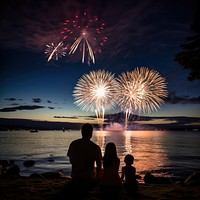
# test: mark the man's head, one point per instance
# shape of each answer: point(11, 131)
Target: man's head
point(86, 131)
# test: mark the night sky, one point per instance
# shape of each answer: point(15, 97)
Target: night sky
point(140, 33)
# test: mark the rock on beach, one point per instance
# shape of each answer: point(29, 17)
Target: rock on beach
point(43, 188)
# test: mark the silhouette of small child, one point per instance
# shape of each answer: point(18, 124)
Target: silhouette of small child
point(128, 175)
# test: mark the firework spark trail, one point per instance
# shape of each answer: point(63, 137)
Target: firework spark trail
point(86, 45)
point(141, 90)
point(96, 92)
point(55, 51)
point(85, 34)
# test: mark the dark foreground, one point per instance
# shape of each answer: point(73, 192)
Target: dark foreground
point(37, 188)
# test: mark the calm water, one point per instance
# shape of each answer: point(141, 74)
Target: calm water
point(167, 153)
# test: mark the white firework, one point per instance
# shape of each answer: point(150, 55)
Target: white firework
point(55, 51)
point(141, 90)
point(96, 92)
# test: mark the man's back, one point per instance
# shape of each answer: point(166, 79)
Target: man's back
point(83, 153)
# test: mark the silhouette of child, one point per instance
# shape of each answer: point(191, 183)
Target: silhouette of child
point(110, 183)
point(128, 175)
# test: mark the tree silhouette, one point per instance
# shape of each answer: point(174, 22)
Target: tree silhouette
point(189, 57)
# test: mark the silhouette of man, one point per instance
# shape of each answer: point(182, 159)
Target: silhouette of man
point(83, 154)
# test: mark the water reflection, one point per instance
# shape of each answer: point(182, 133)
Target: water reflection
point(157, 151)
point(128, 144)
point(146, 146)
point(101, 140)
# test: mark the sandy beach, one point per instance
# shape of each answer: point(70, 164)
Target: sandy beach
point(37, 188)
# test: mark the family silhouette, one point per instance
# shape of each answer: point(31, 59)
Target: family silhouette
point(90, 168)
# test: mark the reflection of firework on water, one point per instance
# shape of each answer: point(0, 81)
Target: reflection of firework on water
point(55, 51)
point(84, 34)
point(96, 92)
point(141, 90)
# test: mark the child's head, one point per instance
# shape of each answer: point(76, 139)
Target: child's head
point(129, 159)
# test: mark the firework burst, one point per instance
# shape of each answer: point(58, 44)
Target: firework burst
point(96, 92)
point(84, 34)
point(55, 51)
point(141, 90)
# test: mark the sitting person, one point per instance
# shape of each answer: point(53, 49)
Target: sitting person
point(128, 175)
point(83, 154)
point(110, 183)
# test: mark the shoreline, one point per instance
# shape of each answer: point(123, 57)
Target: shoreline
point(53, 188)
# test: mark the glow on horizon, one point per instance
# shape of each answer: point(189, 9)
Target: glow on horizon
point(48, 115)
point(79, 119)
point(68, 112)
point(193, 124)
point(157, 121)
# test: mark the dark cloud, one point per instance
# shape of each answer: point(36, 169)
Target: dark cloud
point(14, 104)
point(181, 120)
point(13, 109)
point(73, 117)
point(10, 99)
point(87, 118)
point(77, 117)
point(51, 108)
point(130, 24)
point(33, 24)
point(184, 120)
point(48, 101)
point(13, 99)
point(174, 99)
point(37, 100)
point(137, 26)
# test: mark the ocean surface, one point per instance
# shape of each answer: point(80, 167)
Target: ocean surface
point(174, 154)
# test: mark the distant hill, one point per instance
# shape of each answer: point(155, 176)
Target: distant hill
point(135, 122)
point(34, 124)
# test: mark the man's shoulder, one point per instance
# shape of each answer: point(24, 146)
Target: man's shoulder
point(74, 142)
point(94, 144)
point(77, 140)
point(87, 142)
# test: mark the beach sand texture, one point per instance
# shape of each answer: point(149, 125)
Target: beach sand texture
point(26, 188)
